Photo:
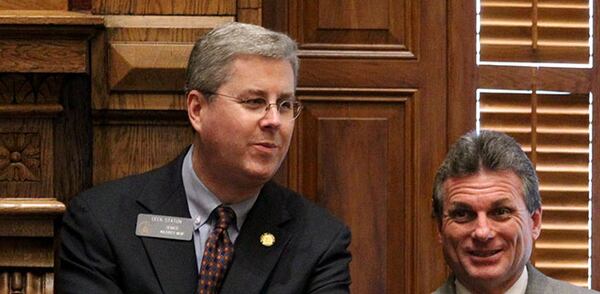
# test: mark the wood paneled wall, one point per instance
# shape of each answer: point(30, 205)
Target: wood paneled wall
point(373, 80)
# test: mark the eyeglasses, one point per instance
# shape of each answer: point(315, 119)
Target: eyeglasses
point(288, 109)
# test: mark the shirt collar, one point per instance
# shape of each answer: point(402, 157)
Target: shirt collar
point(201, 201)
point(518, 287)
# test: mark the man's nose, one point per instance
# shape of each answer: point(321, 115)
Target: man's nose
point(272, 118)
point(483, 231)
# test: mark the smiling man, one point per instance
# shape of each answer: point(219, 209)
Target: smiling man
point(212, 221)
point(488, 209)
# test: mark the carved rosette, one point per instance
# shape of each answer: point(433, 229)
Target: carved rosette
point(20, 159)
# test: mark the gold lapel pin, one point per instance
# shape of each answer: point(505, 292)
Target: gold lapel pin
point(267, 239)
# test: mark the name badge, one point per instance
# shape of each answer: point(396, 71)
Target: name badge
point(162, 226)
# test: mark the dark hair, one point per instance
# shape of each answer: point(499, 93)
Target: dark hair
point(490, 150)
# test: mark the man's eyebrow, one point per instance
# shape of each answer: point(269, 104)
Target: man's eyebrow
point(502, 202)
point(458, 205)
point(254, 92)
point(259, 92)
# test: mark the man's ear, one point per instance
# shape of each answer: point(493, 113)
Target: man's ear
point(536, 218)
point(196, 103)
point(439, 231)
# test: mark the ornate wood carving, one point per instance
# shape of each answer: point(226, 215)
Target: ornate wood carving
point(20, 157)
point(30, 88)
point(26, 244)
point(31, 281)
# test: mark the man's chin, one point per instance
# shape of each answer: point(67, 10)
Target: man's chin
point(485, 274)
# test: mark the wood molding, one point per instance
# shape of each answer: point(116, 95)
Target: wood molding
point(165, 7)
point(595, 207)
point(147, 67)
point(34, 4)
point(23, 206)
point(49, 17)
point(462, 69)
point(45, 41)
point(29, 110)
point(163, 21)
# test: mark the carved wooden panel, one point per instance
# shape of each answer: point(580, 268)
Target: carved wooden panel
point(132, 143)
point(165, 7)
point(32, 281)
point(30, 89)
point(25, 166)
point(148, 67)
point(26, 136)
point(381, 28)
point(147, 56)
point(353, 146)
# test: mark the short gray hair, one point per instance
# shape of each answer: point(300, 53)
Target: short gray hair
point(209, 63)
point(491, 150)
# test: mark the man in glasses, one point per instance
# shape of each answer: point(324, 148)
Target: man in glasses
point(212, 221)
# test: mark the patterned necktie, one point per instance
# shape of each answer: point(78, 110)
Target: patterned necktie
point(218, 253)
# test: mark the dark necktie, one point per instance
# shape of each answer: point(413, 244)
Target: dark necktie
point(218, 253)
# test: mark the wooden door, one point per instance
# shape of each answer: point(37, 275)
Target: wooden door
point(367, 145)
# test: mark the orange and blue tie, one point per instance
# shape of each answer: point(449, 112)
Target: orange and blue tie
point(218, 253)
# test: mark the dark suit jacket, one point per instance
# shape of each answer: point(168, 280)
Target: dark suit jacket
point(537, 283)
point(100, 252)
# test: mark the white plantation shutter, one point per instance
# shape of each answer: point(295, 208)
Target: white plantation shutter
point(555, 31)
point(554, 131)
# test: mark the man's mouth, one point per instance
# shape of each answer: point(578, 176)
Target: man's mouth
point(484, 253)
point(267, 144)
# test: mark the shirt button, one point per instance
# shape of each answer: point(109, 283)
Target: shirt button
point(197, 220)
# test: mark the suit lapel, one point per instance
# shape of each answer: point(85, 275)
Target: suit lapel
point(174, 261)
point(253, 262)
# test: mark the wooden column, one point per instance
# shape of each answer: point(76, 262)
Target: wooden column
point(44, 142)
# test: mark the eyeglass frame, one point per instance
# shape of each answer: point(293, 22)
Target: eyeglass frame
point(267, 106)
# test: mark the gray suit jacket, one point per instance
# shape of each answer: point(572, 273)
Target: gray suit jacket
point(537, 283)
point(100, 252)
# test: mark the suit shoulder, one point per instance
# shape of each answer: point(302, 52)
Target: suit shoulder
point(558, 286)
point(127, 189)
point(540, 283)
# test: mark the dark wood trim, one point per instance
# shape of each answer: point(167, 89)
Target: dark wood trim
point(462, 68)
point(595, 76)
